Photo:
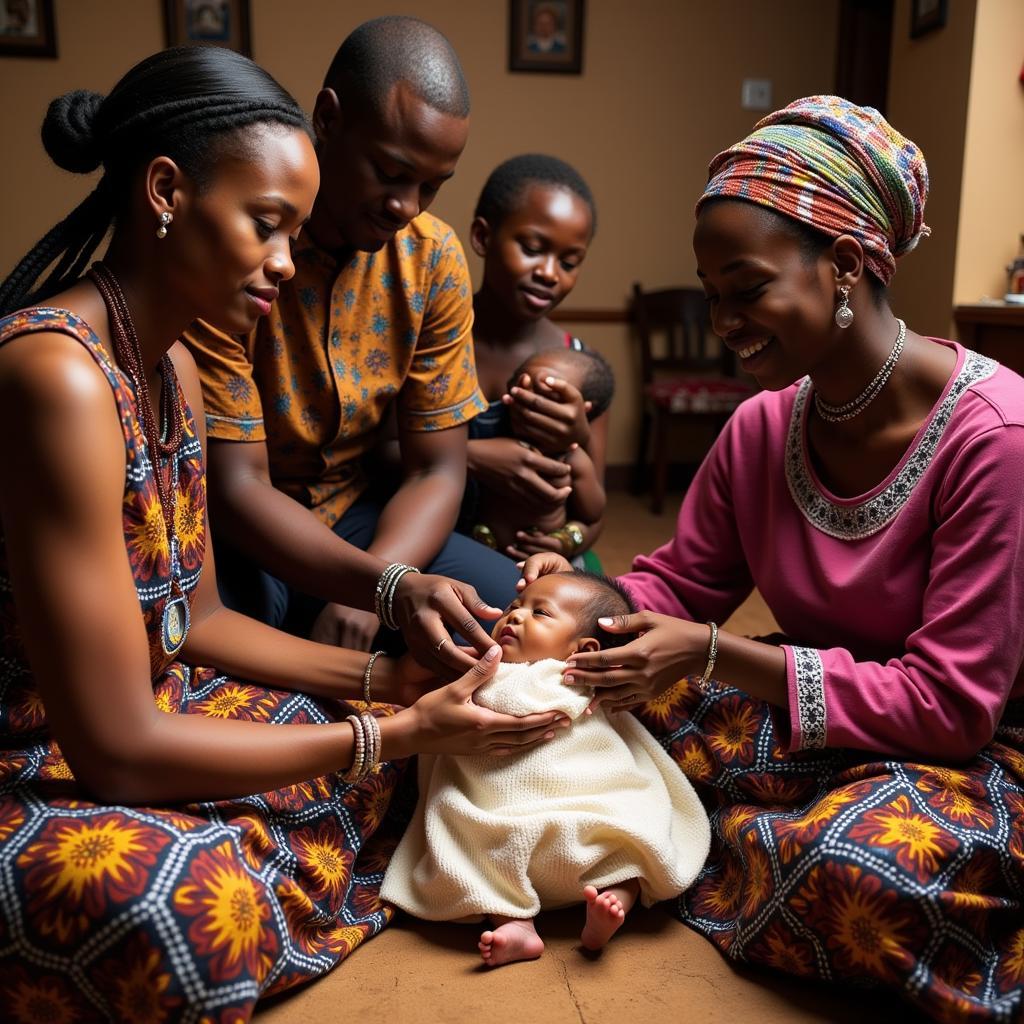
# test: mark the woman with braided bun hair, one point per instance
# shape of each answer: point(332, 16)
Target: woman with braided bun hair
point(176, 840)
point(864, 769)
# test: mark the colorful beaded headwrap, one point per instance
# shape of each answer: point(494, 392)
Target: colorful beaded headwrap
point(839, 168)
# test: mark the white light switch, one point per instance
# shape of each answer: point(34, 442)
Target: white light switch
point(756, 94)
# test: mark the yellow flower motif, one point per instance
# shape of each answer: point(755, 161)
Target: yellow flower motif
point(1011, 972)
point(734, 819)
point(40, 1000)
point(694, 761)
point(758, 882)
point(139, 988)
point(782, 953)
point(189, 523)
point(255, 841)
point(920, 840)
point(731, 730)
point(326, 860)
point(664, 707)
point(56, 769)
point(84, 854)
point(721, 894)
point(232, 913)
point(229, 700)
point(344, 939)
point(163, 701)
point(149, 536)
point(936, 778)
point(866, 933)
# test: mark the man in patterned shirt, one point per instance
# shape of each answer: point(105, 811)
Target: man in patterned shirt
point(377, 316)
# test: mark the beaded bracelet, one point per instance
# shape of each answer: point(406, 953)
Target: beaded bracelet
point(356, 772)
point(366, 756)
point(384, 594)
point(373, 759)
point(366, 678)
point(712, 655)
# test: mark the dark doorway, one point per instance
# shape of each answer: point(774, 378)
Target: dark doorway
point(862, 55)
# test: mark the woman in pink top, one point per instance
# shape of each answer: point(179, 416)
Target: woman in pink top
point(867, 774)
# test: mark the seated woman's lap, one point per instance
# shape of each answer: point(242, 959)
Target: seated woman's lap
point(840, 865)
point(212, 903)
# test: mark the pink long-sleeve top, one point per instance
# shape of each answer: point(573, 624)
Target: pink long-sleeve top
point(905, 605)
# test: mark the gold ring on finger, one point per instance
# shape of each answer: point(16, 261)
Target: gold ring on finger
point(440, 643)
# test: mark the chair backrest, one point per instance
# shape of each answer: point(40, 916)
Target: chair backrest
point(674, 327)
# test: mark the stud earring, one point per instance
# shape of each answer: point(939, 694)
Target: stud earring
point(165, 219)
point(844, 315)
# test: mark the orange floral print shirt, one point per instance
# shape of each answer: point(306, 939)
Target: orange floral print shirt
point(315, 378)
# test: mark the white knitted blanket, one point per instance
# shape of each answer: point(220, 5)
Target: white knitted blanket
point(599, 804)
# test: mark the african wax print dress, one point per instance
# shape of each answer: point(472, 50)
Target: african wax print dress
point(175, 913)
point(846, 867)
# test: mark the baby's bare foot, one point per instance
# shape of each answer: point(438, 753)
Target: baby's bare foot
point(514, 940)
point(605, 914)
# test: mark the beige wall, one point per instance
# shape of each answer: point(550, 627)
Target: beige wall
point(658, 97)
point(992, 203)
point(929, 81)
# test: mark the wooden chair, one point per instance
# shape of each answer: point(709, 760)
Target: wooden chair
point(687, 375)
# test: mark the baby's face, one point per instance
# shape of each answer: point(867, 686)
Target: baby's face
point(543, 621)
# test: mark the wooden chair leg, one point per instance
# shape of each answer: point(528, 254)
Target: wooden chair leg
point(640, 465)
point(660, 461)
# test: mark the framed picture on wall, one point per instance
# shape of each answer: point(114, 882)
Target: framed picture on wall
point(208, 22)
point(545, 35)
point(27, 29)
point(927, 15)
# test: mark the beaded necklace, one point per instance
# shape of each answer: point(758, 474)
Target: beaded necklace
point(176, 617)
point(847, 411)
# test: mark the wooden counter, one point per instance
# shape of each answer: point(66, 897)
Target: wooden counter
point(995, 330)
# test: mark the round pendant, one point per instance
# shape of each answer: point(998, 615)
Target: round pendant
point(174, 627)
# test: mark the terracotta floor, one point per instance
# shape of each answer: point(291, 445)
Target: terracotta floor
point(655, 970)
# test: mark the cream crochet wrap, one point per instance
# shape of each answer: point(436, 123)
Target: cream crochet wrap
point(599, 804)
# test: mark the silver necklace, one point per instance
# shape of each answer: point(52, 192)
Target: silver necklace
point(846, 411)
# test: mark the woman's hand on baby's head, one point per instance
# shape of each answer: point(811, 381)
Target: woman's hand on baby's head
point(666, 650)
point(541, 565)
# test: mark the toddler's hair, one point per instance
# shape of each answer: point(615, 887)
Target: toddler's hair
point(596, 379)
point(608, 599)
point(509, 180)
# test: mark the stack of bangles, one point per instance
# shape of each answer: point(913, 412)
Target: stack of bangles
point(384, 595)
point(366, 752)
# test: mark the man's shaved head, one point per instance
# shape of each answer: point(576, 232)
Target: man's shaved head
point(382, 52)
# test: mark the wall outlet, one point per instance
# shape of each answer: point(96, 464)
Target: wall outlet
point(756, 94)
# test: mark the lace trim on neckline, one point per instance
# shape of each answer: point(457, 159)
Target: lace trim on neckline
point(854, 522)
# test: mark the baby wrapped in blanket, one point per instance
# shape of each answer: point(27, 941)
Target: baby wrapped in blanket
point(603, 815)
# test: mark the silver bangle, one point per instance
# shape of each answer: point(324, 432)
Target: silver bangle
point(366, 678)
point(384, 593)
point(712, 655)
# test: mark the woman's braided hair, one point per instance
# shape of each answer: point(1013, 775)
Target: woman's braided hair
point(181, 103)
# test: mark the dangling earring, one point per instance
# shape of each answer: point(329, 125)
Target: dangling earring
point(844, 315)
point(166, 218)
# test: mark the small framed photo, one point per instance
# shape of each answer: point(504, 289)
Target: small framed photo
point(209, 23)
point(927, 15)
point(545, 35)
point(27, 29)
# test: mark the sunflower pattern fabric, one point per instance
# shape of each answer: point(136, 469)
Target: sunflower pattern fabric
point(842, 867)
point(163, 914)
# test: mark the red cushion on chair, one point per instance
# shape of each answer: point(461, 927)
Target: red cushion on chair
point(699, 394)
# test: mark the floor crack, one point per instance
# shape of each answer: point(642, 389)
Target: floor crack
point(564, 968)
